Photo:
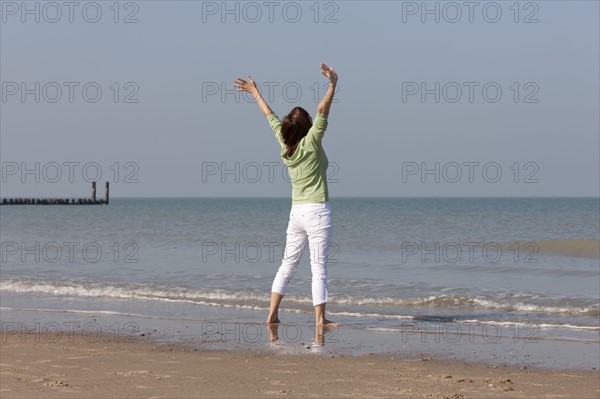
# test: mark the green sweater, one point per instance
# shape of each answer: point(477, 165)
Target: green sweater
point(307, 167)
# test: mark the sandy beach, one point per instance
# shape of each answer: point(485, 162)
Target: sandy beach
point(143, 368)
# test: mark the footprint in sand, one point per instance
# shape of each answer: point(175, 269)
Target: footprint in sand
point(50, 382)
point(132, 373)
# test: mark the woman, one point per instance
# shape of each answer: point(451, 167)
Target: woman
point(310, 216)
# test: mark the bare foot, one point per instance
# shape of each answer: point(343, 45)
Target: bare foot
point(273, 320)
point(328, 323)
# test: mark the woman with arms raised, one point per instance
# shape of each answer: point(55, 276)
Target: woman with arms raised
point(310, 216)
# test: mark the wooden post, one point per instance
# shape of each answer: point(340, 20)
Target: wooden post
point(94, 191)
point(106, 195)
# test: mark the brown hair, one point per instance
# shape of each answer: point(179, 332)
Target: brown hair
point(295, 127)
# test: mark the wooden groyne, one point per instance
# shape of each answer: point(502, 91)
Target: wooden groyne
point(61, 201)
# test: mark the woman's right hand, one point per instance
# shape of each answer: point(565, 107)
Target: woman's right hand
point(325, 103)
point(329, 73)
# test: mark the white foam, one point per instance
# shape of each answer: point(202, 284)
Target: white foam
point(259, 301)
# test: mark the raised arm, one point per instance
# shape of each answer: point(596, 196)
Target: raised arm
point(250, 86)
point(325, 103)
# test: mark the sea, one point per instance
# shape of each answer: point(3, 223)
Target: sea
point(419, 275)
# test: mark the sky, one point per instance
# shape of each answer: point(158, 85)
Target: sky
point(434, 99)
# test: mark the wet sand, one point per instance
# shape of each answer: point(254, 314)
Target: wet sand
point(31, 368)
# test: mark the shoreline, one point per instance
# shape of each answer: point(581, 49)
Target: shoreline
point(142, 367)
point(241, 331)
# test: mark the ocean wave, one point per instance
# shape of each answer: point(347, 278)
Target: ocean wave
point(376, 306)
point(515, 324)
point(129, 292)
point(463, 301)
point(511, 325)
point(80, 311)
point(576, 248)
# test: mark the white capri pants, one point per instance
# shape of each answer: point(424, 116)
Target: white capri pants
point(310, 223)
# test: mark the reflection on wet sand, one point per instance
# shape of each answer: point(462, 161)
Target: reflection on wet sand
point(273, 331)
point(321, 330)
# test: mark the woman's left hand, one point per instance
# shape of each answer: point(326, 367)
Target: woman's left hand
point(246, 85)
